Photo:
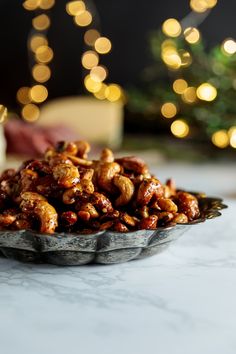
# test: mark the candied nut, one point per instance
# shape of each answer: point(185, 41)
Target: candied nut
point(83, 149)
point(88, 207)
point(167, 205)
point(114, 214)
point(66, 175)
point(84, 215)
point(105, 173)
point(129, 220)
point(164, 217)
point(78, 161)
point(27, 179)
point(180, 218)
point(69, 218)
point(70, 194)
point(106, 225)
point(22, 224)
point(36, 204)
point(57, 159)
point(7, 174)
point(143, 211)
point(86, 181)
point(132, 163)
point(148, 189)
point(107, 155)
point(149, 223)
point(41, 167)
point(126, 187)
point(8, 217)
point(101, 202)
point(187, 204)
point(120, 227)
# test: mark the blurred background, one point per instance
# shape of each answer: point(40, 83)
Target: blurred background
point(158, 77)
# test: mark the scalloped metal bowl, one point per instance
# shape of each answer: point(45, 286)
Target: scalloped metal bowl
point(105, 247)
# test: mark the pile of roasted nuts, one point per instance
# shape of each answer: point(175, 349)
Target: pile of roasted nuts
point(65, 191)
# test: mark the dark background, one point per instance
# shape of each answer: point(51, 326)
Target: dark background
point(126, 22)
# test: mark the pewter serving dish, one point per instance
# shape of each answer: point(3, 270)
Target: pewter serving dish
point(104, 247)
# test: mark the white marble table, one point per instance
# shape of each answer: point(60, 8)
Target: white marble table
point(181, 301)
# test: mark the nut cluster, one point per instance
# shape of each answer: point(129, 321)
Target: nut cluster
point(65, 191)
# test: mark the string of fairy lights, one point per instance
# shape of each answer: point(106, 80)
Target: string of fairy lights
point(176, 59)
point(40, 56)
point(96, 47)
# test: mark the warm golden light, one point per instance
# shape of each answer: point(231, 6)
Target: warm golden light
point(189, 95)
point(168, 110)
point(38, 93)
point(46, 4)
point(74, 8)
point(179, 128)
point(37, 41)
point(83, 19)
point(30, 112)
point(185, 58)
point(171, 27)
point(91, 36)
point(91, 85)
point(199, 5)
point(3, 113)
point(220, 139)
point(44, 54)
point(89, 59)
point(41, 73)
point(102, 45)
point(206, 92)
point(23, 95)
point(98, 73)
point(101, 94)
point(192, 35)
point(41, 22)
point(211, 3)
point(179, 86)
point(171, 58)
point(229, 47)
point(31, 5)
point(113, 92)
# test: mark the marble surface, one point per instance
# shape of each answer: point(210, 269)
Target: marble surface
point(180, 301)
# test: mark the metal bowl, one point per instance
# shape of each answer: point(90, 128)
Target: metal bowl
point(104, 247)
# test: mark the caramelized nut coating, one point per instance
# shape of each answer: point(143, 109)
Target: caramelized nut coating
point(67, 191)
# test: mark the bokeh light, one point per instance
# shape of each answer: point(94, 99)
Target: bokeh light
point(229, 46)
point(179, 128)
point(185, 58)
point(101, 94)
point(23, 95)
point(171, 27)
point(41, 22)
point(31, 5)
point(41, 73)
point(3, 113)
point(113, 92)
point(46, 4)
point(30, 112)
point(38, 93)
point(220, 139)
point(89, 59)
point(171, 58)
point(37, 41)
point(206, 92)
point(199, 5)
point(74, 8)
point(91, 85)
point(189, 95)
point(179, 86)
point(98, 73)
point(192, 35)
point(44, 54)
point(83, 19)
point(102, 45)
point(168, 110)
point(91, 36)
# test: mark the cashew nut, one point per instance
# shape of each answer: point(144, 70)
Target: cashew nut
point(107, 155)
point(70, 194)
point(132, 163)
point(66, 175)
point(148, 189)
point(36, 204)
point(105, 173)
point(83, 149)
point(86, 181)
point(126, 187)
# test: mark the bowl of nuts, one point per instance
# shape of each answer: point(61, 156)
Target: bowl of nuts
point(66, 209)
